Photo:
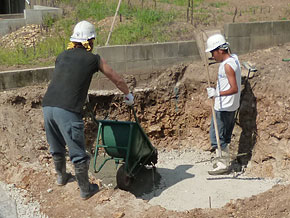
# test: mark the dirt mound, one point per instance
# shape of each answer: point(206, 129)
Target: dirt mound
point(25, 37)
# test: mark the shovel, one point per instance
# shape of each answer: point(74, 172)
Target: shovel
point(201, 49)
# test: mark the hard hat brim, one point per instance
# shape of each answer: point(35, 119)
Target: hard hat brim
point(72, 39)
point(76, 40)
point(210, 49)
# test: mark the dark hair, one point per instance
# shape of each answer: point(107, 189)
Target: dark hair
point(79, 45)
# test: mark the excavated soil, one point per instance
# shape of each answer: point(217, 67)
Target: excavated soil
point(175, 113)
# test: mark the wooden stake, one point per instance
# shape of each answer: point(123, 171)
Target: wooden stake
point(191, 11)
point(112, 26)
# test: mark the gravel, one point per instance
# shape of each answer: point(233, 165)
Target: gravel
point(16, 203)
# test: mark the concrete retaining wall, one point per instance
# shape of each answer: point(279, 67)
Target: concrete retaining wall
point(144, 59)
point(10, 25)
point(137, 60)
point(21, 78)
point(38, 14)
point(246, 37)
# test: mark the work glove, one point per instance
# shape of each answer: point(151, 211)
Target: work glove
point(211, 92)
point(129, 99)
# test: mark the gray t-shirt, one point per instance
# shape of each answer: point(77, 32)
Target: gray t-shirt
point(71, 79)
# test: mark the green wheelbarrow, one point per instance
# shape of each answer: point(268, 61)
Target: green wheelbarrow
point(126, 143)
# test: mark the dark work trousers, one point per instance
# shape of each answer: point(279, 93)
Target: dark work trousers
point(63, 128)
point(225, 122)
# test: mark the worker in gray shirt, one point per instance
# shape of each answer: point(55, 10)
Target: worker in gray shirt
point(64, 100)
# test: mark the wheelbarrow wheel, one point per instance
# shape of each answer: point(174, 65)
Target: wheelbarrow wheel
point(124, 180)
point(153, 158)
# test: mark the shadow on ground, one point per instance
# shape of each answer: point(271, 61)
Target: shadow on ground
point(151, 182)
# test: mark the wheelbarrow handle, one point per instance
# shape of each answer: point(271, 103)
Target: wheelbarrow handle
point(134, 113)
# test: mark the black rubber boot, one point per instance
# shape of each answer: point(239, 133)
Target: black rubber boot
point(87, 189)
point(60, 167)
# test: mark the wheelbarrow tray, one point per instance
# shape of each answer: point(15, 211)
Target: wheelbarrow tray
point(126, 142)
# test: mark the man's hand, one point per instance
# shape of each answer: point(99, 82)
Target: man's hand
point(211, 92)
point(129, 99)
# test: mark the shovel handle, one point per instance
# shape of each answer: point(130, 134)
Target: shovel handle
point(134, 113)
point(212, 102)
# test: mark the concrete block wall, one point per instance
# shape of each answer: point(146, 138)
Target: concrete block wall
point(138, 60)
point(21, 78)
point(38, 13)
point(142, 60)
point(246, 37)
point(10, 25)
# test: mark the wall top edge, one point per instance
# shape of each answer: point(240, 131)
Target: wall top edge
point(259, 22)
point(144, 44)
point(28, 69)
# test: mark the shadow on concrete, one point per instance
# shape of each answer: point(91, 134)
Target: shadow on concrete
point(151, 182)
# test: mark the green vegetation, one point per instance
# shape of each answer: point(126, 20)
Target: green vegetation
point(218, 4)
point(145, 25)
point(96, 10)
point(44, 51)
point(253, 10)
point(202, 18)
point(48, 21)
point(182, 2)
point(139, 25)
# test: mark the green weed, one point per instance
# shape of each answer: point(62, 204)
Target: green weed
point(44, 51)
point(48, 20)
point(145, 24)
point(182, 2)
point(218, 4)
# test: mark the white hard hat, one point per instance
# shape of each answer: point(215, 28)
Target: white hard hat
point(215, 41)
point(83, 31)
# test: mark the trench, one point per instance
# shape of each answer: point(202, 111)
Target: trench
point(175, 118)
point(180, 137)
